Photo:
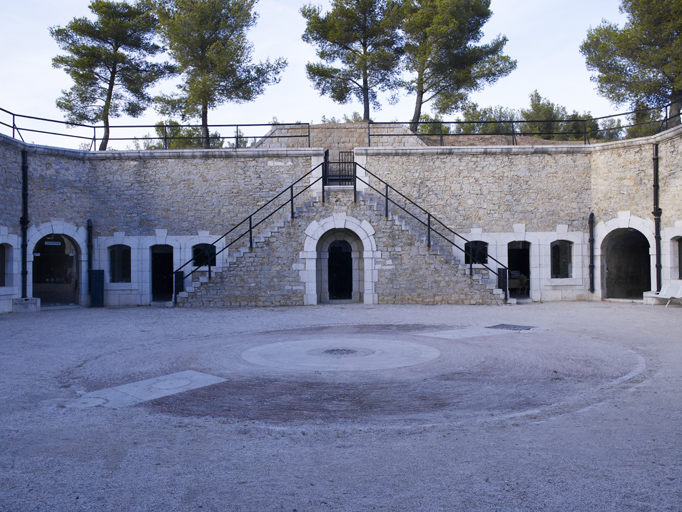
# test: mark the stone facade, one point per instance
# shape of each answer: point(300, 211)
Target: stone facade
point(504, 196)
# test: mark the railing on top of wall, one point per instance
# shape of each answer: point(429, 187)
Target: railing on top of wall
point(166, 136)
point(438, 132)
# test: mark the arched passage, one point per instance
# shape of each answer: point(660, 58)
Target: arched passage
point(314, 272)
point(340, 269)
point(55, 270)
point(626, 264)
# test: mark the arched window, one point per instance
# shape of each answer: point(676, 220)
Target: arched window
point(562, 253)
point(203, 255)
point(479, 250)
point(119, 263)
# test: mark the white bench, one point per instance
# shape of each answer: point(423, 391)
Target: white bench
point(670, 292)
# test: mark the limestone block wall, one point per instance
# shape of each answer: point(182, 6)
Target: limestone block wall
point(491, 188)
point(340, 137)
point(404, 271)
point(10, 186)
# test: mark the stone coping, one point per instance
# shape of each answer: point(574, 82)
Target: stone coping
point(163, 154)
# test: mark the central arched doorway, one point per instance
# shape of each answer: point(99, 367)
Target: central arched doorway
point(340, 269)
point(626, 264)
point(518, 257)
point(55, 270)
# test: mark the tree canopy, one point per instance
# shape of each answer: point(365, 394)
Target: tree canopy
point(360, 47)
point(441, 55)
point(106, 59)
point(640, 64)
point(207, 40)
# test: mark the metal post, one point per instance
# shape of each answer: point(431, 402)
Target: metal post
point(291, 195)
point(428, 231)
point(369, 136)
point(250, 232)
point(471, 259)
point(591, 241)
point(236, 138)
point(309, 141)
point(90, 250)
point(94, 138)
point(14, 124)
point(165, 137)
point(441, 134)
point(386, 209)
point(513, 134)
point(355, 183)
point(24, 221)
point(657, 221)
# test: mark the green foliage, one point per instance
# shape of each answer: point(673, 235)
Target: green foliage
point(207, 39)
point(360, 48)
point(485, 121)
point(171, 135)
point(643, 122)
point(355, 117)
point(609, 129)
point(640, 64)
point(106, 59)
point(432, 125)
point(549, 121)
point(441, 54)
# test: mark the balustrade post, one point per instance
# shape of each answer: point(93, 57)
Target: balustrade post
point(355, 183)
point(386, 209)
point(471, 259)
point(428, 231)
point(250, 232)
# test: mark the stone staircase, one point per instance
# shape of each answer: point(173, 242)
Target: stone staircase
point(199, 293)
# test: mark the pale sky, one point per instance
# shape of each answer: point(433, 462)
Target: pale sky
point(544, 37)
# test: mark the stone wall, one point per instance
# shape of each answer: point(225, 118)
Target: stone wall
point(491, 188)
point(340, 137)
point(10, 185)
point(137, 192)
point(407, 272)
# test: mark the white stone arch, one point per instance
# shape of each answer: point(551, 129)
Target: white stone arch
point(58, 227)
point(670, 249)
point(319, 230)
point(624, 220)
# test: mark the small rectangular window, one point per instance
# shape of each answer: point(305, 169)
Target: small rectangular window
point(119, 263)
point(203, 255)
point(477, 249)
point(561, 251)
point(3, 265)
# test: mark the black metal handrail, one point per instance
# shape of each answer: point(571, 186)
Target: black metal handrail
point(237, 137)
point(179, 274)
point(502, 271)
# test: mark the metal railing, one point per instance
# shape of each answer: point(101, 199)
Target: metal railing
point(434, 226)
point(431, 224)
point(443, 133)
point(166, 136)
point(247, 227)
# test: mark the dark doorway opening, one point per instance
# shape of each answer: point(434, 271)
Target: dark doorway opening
point(626, 264)
point(518, 255)
point(340, 267)
point(55, 271)
point(162, 273)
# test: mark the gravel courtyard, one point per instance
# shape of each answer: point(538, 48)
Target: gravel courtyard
point(553, 407)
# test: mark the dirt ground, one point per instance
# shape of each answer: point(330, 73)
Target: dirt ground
point(553, 407)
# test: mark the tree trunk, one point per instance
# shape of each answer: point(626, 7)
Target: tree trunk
point(674, 114)
point(105, 110)
point(414, 125)
point(205, 141)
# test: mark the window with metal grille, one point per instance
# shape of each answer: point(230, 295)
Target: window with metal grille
point(561, 254)
point(203, 255)
point(479, 250)
point(119, 264)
